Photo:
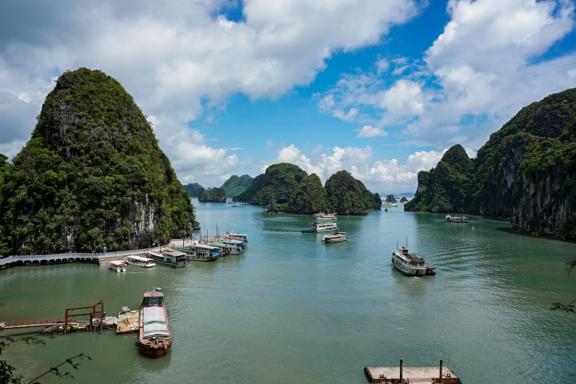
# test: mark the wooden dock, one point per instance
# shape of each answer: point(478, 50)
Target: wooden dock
point(407, 375)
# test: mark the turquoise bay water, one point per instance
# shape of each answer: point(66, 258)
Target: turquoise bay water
point(294, 310)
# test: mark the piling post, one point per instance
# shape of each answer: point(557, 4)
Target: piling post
point(441, 363)
point(401, 368)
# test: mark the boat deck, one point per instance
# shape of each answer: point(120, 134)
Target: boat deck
point(413, 374)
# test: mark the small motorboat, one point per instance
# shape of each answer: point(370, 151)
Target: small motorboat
point(117, 266)
point(335, 238)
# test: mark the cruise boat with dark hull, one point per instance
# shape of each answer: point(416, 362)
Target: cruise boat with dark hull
point(411, 264)
point(155, 338)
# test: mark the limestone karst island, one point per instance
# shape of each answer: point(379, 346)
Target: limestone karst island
point(288, 191)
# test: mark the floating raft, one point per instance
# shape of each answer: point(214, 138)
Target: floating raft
point(404, 375)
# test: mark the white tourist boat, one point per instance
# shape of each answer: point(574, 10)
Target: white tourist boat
point(117, 266)
point(335, 237)
point(410, 263)
point(323, 217)
point(325, 227)
point(233, 247)
point(140, 261)
point(456, 219)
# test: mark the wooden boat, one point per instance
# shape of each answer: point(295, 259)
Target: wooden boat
point(117, 266)
point(410, 263)
point(335, 238)
point(155, 338)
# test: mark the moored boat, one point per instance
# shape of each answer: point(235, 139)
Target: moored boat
point(335, 237)
point(233, 247)
point(140, 261)
point(201, 252)
point(117, 266)
point(155, 338)
point(237, 236)
point(169, 258)
point(410, 263)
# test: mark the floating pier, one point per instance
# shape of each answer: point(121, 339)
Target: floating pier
point(407, 375)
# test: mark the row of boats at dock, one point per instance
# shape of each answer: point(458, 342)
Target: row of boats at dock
point(209, 249)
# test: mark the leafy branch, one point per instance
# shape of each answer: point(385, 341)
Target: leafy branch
point(8, 373)
point(571, 306)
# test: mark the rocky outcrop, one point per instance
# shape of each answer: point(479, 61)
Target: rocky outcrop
point(349, 196)
point(276, 185)
point(91, 176)
point(212, 195)
point(193, 189)
point(525, 173)
point(309, 197)
point(287, 188)
point(235, 185)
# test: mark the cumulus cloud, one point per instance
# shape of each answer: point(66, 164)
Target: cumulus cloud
point(488, 62)
point(388, 175)
point(177, 58)
point(368, 131)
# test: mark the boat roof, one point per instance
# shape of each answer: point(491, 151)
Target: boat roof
point(204, 246)
point(153, 294)
point(140, 258)
point(175, 253)
point(117, 262)
point(236, 234)
point(217, 244)
point(231, 241)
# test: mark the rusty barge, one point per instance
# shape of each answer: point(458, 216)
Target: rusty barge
point(155, 337)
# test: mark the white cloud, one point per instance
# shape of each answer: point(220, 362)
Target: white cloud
point(177, 57)
point(368, 131)
point(387, 175)
point(477, 74)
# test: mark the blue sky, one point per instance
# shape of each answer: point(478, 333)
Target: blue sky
point(380, 88)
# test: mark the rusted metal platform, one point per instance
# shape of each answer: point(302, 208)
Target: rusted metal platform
point(406, 375)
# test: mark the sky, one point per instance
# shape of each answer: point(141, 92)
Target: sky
point(380, 88)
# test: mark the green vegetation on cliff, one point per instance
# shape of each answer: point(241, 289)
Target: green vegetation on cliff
point(212, 195)
point(287, 188)
point(92, 175)
point(235, 185)
point(309, 197)
point(276, 185)
point(193, 189)
point(348, 196)
point(447, 187)
point(526, 172)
